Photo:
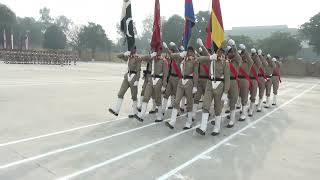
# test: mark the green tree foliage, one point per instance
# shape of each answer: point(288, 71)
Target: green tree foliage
point(172, 30)
point(280, 44)
point(45, 18)
point(29, 26)
point(311, 31)
point(93, 36)
point(7, 16)
point(63, 22)
point(54, 38)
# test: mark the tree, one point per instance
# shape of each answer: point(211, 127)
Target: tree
point(172, 29)
point(311, 31)
point(54, 38)
point(280, 44)
point(73, 37)
point(7, 21)
point(92, 37)
point(63, 22)
point(242, 39)
point(32, 28)
point(45, 18)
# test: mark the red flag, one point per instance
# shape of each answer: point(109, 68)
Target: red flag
point(156, 36)
point(208, 40)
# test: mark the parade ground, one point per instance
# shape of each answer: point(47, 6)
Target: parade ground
point(55, 124)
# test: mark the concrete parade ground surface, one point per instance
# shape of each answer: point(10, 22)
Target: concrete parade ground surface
point(55, 124)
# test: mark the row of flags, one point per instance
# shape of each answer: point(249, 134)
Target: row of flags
point(215, 30)
point(26, 39)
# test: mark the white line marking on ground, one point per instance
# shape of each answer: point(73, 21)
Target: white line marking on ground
point(177, 169)
point(63, 132)
point(57, 151)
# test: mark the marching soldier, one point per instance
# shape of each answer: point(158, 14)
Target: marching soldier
point(217, 89)
point(146, 74)
point(131, 80)
point(203, 78)
point(233, 94)
point(187, 86)
point(245, 80)
point(276, 80)
point(262, 79)
point(255, 79)
point(269, 70)
point(156, 84)
point(174, 76)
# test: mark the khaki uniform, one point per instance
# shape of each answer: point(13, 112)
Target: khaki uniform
point(262, 81)
point(131, 79)
point(189, 67)
point(218, 85)
point(269, 70)
point(276, 78)
point(233, 92)
point(254, 89)
point(157, 81)
point(244, 83)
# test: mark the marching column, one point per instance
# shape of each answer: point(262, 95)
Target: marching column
point(262, 79)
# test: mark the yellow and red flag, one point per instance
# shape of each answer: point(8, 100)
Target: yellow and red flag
point(215, 30)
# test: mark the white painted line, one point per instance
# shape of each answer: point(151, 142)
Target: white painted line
point(58, 132)
point(95, 141)
point(179, 168)
point(57, 151)
point(61, 132)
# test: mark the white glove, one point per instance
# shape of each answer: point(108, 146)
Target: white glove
point(231, 42)
point(242, 46)
point(253, 51)
point(269, 56)
point(228, 48)
point(136, 83)
point(183, 54)
point(194, 90)
point(127, 53)
point(164, 44)
point(224, 97)
point(213, 57)
point(274, 59)
point(154, 54)
point(199, 42)
point(163, 89)
point(259, 52)
point(182, 48)
point(239, 51)
point(172, 44)
point(200, 49)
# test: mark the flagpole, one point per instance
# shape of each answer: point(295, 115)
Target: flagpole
point(4, 39)
point(11, 39)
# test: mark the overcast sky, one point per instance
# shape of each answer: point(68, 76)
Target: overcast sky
point(235, 12)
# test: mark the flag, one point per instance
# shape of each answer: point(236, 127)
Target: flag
point(127, 23)
point(4, 39)
point(189, 23)
point(11, 39)
point(217, 30)
point(27, 41)
point(208, 39)
point(156, 36)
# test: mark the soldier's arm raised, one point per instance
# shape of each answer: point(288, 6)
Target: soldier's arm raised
point(203, 59)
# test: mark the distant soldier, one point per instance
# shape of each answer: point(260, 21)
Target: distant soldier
point(216, 90)
point(276, 80)
point(254, 71)
point(131, 80)
point(262, 79)
point(156, 84)
point(187, 86)
point(269, 70)
point(245, 80)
